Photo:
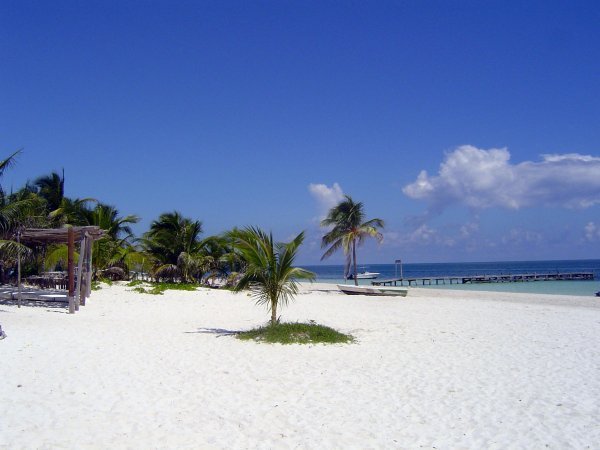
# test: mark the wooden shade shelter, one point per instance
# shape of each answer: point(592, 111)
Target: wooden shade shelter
point(69, 235)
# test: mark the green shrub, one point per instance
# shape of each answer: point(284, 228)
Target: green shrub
point(159, 288)
point(296, 333)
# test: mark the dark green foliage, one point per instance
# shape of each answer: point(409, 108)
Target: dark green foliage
point(296, 333)
point(52, 189)
point(173, 243)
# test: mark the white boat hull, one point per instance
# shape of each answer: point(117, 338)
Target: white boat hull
point(365, 276)
point(373, 290)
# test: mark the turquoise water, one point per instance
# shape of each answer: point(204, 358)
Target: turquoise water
point(334, 274)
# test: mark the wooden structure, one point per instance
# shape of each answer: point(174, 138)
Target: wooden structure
point(505, 278)
point(79, 287)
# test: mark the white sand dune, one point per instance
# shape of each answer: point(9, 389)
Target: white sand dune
point(437, 369)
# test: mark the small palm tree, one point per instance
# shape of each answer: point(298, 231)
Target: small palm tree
point(349, 231)
point(269, 272)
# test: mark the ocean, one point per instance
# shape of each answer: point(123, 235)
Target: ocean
point(334, 274)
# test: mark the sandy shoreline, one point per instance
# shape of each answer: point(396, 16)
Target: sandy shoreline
point(443, 369)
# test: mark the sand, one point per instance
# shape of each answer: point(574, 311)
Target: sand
point(437, 369)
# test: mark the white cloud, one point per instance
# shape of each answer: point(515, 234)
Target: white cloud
point(519, 236)
point(422, 235)
point(592, 232)
point(326, 197)
point(481, 178)
point(468, 229)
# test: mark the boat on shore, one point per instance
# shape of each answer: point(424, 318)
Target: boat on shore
point(391, 291)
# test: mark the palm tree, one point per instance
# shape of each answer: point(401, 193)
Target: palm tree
point(15, 209)
point(116, 247)
point(23, 208)
point(5, 164)
point(349, 231)
point(52, 189)
point(73, 211)
point(173, 243)
point(117, 228)
point(269, 272)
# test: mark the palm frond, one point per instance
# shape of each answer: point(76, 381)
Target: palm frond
point(12, 249)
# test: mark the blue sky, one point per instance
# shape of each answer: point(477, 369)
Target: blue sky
point(472, 128)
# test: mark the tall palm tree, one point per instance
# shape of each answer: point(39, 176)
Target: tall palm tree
point(269, 272)
point(117, 227)
point(5, 164)
point(116, 246)
point(349, 231)
point(15, 208)
point(23, 208)
point(52, 189)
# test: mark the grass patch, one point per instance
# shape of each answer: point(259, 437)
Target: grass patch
point(135, 283)
point(159, 288)
point(96, 285)
point(296, 333)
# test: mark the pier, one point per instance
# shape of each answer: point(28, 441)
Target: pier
point(500, 278)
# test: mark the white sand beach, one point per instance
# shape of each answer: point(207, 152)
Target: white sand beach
point(437, 369)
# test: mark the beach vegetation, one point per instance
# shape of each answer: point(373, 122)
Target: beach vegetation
point(296, 333)
point(97, 284)
point(159, 288)
point(173, 245)
point(269, 273)
point(349, 230)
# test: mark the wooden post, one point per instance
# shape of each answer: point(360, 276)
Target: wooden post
point(19, 295)
point(89, 268)
point(83, 288)
point(71, 269)
point(82, 248)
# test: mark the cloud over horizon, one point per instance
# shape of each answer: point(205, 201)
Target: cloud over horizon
point(481, 178)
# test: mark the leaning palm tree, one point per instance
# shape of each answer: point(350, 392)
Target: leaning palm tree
point(269, 273)
point(349, 231)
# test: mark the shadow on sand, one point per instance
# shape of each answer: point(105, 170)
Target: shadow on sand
point(218, 332)
point(35, 303)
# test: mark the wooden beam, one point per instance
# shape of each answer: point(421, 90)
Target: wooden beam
point(88, 271)
point(71, 270)
point(82, 248)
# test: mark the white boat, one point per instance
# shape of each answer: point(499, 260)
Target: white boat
point(364, 276)
point(373, 290)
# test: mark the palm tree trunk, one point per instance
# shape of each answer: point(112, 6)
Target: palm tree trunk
point(273, 313)
point(354, 258)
